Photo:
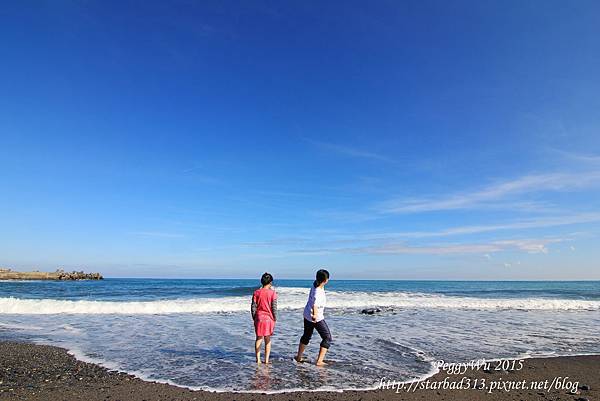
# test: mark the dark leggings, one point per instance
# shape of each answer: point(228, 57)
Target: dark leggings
point(322, 329)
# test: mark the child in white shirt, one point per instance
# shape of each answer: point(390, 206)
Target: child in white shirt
point(314, 318)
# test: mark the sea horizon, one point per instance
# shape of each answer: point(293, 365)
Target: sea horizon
point(342, 279)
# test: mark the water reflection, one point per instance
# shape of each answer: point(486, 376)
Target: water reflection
point(262, 377)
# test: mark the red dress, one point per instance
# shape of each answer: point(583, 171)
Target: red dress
point(264, 319)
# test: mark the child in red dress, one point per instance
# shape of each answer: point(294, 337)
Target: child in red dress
point(264, 314)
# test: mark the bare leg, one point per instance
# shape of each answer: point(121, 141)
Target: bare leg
point(267, 348)
point(257, 345)
point(301, 348)
point(321, 357)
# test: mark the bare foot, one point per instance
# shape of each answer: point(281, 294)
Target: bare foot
point(321, 363)
point(298, 359)
point(258, 362)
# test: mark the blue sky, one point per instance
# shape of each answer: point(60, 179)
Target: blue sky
point(409, 140)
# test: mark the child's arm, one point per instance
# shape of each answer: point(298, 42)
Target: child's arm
point(274, 308)
point(253, 307)
point(314, 312)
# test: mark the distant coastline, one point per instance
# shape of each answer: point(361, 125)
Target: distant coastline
point(59, 274)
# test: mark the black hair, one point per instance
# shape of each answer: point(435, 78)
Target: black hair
point(266, 279)
point(322, 275)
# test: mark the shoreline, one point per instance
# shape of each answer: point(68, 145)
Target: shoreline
point(43, 372)
point(434, 371)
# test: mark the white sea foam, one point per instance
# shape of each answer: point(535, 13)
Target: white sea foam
point(71, 329)
point(16, 326)
point(289, 298)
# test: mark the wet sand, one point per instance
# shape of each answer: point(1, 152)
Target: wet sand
point(39, 372)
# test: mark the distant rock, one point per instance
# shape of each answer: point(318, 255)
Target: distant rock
point(80, 275)
point(370, 311)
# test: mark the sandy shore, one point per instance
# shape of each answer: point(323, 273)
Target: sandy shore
point(36, 372)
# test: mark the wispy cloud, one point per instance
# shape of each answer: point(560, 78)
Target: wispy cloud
point(530, 245)
point(492, 194)
point(191, 169)
point(345, 216)
point(552, 221)
point(428, 250)
point(349, 151)
point(276, 242)
point(579, 157)
point(526, 245)
point(301, 195)
point(198, 174)
point(322, 242)
point(156, 234)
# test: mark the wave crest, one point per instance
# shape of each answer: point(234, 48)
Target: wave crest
point(289, 298)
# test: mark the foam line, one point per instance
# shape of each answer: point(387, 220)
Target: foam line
point(289, 298)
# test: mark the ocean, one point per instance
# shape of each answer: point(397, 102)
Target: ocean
point(199, 333)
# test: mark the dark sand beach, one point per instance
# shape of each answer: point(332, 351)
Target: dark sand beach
point(38, 372)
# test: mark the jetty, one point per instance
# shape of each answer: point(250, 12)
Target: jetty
point(59, 274)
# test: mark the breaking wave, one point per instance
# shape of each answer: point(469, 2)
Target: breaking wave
point(289, 298)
